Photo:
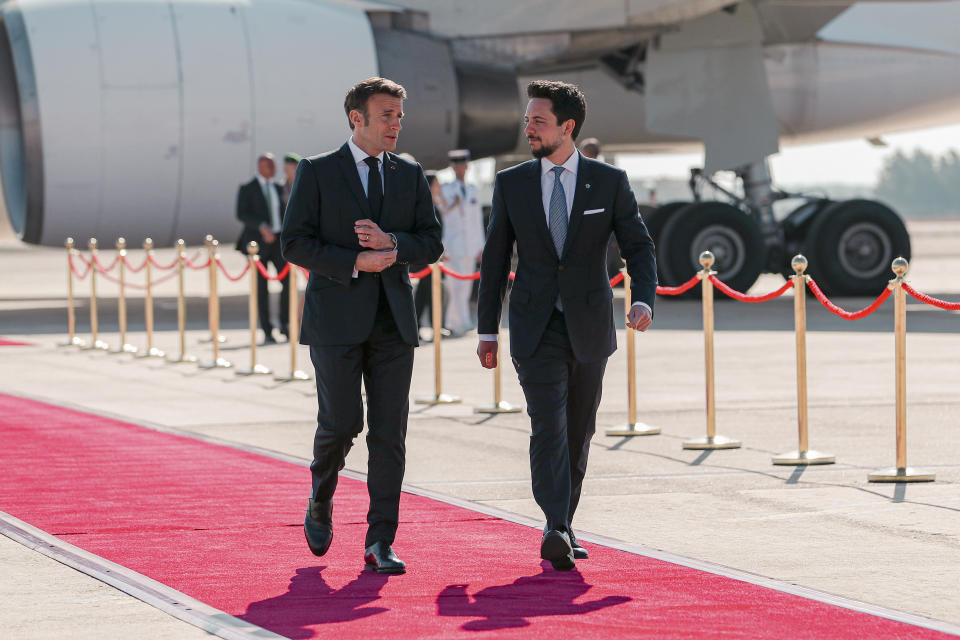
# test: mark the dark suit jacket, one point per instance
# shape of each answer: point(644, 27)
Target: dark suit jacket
point(579, 274)
point(326, 200)
point(252, 211)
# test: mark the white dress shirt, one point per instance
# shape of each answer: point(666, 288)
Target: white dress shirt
point(273, 201)
point(568, 179)
point(360, 156)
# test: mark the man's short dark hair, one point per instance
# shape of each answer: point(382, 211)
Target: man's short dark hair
point(360, 93)
point(567, 101)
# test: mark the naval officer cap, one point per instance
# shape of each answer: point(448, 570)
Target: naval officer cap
point(295, 158)
point(459, 155)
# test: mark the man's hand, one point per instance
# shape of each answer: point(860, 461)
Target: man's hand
point(267, 234)
point(487, 352)
point(375, 261)
point(639, 318)
point(372, 237)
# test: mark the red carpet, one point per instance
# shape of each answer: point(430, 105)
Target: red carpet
point(4, 342)
point(224, 526)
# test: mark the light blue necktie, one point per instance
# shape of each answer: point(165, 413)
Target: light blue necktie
point(558, 217)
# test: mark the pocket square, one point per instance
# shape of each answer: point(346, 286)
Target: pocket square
point(592, 211)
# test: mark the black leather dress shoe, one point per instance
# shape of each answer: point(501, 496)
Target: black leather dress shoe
point(579, 553)
point(380, 557)
point(268, 339)
point(555, 547)
point(318, 526)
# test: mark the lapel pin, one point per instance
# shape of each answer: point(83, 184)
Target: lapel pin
point(586, 186)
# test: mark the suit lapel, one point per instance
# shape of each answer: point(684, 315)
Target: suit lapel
point(352, 178)
point(535, 192)
point(576, 211)
point(390, 187)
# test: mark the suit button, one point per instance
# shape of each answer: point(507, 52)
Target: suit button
point(376, 275)
point(560, 268)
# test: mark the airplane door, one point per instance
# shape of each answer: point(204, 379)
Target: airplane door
point(218, 127)
point(139, 119)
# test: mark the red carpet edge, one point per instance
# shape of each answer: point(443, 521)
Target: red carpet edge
point(224, 625)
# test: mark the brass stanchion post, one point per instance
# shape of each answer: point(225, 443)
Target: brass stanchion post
point(803, 455)
point(124, 347)
point(208, 241)
point(294, 335)
point(712, 441)
point(255, 369)
point(901, 473)
point(436, 312)
point(95, 343)
point(632, 428)
point(150, 351)
point(72, 339)
point(498, 406)
point(213, 252)
point(181, 307)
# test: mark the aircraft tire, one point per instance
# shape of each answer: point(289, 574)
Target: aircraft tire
point(731, 235)
point(853, 243)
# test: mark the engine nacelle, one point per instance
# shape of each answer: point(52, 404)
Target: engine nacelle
point(141, 118)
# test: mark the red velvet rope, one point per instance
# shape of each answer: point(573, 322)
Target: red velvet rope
point(73, 267)
point(153, 283)
point(617, 279)
point(100, 267)
point(133, 268)
point(460, 276)
point(742, 297)
point(227, 275)
point(614, 281)
point(936, 302)
point(266, 274)
point(189, 263)
point(683, 288)
point(423, 273)
point(847, 315)
point(164, 267)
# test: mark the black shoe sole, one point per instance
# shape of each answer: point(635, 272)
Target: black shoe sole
point(317, 551)
point(554, 548)
point(394, 571)
point(564, 564)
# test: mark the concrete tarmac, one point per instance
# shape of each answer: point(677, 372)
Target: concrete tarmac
point(823, 527)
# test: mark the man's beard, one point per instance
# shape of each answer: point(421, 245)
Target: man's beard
point(544, 150)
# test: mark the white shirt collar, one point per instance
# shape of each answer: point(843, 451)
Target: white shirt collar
point(359, 155)
point(571, 165)
point(263, 181)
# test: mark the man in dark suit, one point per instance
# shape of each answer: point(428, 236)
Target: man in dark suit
point(260, 208)
point(559, 209)
point(357, 217)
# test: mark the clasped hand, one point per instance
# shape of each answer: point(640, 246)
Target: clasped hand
point(381, 252)
point(639, 318)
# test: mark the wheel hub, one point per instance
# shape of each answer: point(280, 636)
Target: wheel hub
point(864, 250)
point(726, 245)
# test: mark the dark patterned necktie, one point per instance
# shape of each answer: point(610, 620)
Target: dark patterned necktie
point(374, 187)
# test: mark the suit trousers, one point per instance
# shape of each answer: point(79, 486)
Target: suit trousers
point(562, 397)
point(384, 365)
point(270, 254)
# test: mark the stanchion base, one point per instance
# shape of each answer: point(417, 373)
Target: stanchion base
point(221, 339)
point(219, 363)
point(800, 458)
point(500, 407)
point(153, 352)
point(99, 345)
point(716, 442)
point(183, 358)
point(127, 348)
point(295, 376)
point(257, 370)
point(443, 398)
point(73, 342)
point(636, 429)
point(901, 474)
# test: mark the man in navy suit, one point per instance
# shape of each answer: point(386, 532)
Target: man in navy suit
point(356, 218)
point(559, 211)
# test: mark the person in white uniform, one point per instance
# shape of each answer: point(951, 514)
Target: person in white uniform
point(462, 241)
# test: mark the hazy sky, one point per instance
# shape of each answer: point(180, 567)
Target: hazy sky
point(852, 161)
